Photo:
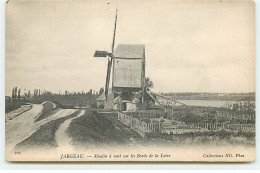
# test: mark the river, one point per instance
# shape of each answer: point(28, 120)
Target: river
point(208, 103)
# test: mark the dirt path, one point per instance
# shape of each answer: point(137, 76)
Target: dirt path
point(20, 127)
point(23, 126)
point(62, 138)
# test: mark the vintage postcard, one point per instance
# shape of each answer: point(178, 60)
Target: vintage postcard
point(119, 80)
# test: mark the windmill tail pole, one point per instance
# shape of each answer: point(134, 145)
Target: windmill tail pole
point(109, 65)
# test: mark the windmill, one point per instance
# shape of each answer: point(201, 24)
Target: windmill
point(127, 62)
point(110, 58)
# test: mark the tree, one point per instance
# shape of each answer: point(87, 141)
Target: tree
point(19, 93)
point(29, 94)
point(35, 94)
point(101, 91)
point(15, 92)
point(148, 84)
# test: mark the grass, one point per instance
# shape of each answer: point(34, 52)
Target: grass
point(11, 106)
point(98, 129)
point(207, 137)
point(45, 135)
point(47, 111)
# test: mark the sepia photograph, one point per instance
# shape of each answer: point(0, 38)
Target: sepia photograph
point(150, 80)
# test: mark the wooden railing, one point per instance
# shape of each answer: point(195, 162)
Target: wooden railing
point(144, 126)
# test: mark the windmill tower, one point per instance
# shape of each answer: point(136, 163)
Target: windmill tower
point(127, 64)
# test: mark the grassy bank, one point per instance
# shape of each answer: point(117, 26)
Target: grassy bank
point(97, 129)
point(11, 106)
point(44, 137)
point(47, 111)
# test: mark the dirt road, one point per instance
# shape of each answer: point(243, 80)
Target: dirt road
point(23, 126)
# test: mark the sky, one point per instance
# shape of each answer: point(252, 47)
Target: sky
point(191, 46)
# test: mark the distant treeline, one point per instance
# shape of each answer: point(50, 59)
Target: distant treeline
point(213, 96)
point(66, 98)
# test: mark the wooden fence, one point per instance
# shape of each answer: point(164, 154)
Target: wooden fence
point(144, 126)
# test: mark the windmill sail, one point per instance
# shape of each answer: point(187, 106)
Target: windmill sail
point(114, 36)
point(109, 63)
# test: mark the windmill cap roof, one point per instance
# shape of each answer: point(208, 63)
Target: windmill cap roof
point(129, 51)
